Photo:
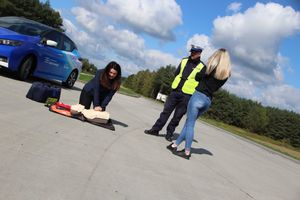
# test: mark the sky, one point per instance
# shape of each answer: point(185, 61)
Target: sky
point(262, 37)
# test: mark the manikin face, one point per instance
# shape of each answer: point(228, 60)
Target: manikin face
point(112, 73)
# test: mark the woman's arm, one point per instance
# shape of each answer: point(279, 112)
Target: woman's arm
point(108, 98)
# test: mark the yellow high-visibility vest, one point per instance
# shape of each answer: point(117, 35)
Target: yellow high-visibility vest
point(190, 83)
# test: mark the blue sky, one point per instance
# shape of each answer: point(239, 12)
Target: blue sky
point(263, 38)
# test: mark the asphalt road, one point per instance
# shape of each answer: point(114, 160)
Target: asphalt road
point(46, 156)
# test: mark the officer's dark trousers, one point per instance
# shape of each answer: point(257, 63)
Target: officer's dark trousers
point(176, 101)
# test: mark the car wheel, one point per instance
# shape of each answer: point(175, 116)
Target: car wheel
point(25, 69)
point(71, 79)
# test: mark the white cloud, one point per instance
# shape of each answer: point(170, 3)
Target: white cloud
point(124, 42)
point(253, 39)
point(283, 96)
point(155, 59)
point(118, 41)
point(108, 43)
point(86, 18)
point(102, 20)
point(156, 18)
point(244, 88)
point(235, 7)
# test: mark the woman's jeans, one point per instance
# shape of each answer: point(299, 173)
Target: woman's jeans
point(198, 104)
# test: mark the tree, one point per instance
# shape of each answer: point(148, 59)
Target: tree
point(256, 120)
point(88, 67)
point(129, 82)
point(92, 69)
point(283, 125)
point(150, 83)
point(163, 79)
point(32, 9)
point(85, 64)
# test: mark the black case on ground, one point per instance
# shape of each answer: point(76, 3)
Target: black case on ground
point(41, 91)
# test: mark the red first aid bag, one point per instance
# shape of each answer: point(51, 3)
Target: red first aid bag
point(61, 108)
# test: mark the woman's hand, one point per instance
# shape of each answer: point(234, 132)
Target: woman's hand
point(98, 108)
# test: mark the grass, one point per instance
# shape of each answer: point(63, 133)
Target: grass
point(83, 77)
point(278, 146)
point(127, 91)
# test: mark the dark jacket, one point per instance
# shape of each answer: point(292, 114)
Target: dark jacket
point(208, 84)
point(102, 95)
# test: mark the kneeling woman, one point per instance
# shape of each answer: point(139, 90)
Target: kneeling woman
point(102, 87)
point(210, 78)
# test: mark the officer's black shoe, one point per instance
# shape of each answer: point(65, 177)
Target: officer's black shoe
point(169, 137)
point(182, 154)
point(151, 132)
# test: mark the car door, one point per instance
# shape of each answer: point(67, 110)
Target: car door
point(51, 59)
point(70, 58)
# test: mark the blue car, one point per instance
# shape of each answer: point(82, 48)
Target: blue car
point(31, 48)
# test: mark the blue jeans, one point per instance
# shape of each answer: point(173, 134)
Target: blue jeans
point(198, 104)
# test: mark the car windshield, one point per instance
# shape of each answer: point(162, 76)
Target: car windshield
point(23, 26)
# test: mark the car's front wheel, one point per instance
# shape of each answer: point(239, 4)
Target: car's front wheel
point(25, 68)
point(71, 79)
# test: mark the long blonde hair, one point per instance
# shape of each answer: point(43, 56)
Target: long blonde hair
point(219, 61)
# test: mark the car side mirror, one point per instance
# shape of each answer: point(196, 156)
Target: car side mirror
point(51, 43)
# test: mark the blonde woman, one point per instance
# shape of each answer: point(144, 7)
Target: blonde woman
point(210, 78)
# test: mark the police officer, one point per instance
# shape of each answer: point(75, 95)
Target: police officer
point(183, 87)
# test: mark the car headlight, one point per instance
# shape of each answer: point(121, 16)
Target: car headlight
point(10, 42)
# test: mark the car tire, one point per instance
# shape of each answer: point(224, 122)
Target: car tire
point(26, 68)
point(71, 79)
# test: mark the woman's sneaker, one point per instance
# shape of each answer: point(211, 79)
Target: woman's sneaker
point(172, 149)
point(182, 154)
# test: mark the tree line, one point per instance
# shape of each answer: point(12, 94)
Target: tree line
point(88, 67)
point(280, 125)
point(32, 9)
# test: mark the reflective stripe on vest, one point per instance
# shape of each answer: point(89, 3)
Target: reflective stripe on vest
point(190, 84)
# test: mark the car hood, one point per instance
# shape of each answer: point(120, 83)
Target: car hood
point(8, 34)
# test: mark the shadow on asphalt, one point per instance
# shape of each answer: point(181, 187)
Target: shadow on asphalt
point(195, 150)
point(116, 122)
point(201, 151)
point(9, 74)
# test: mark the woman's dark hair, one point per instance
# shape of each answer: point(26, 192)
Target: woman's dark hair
point(114, 83)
